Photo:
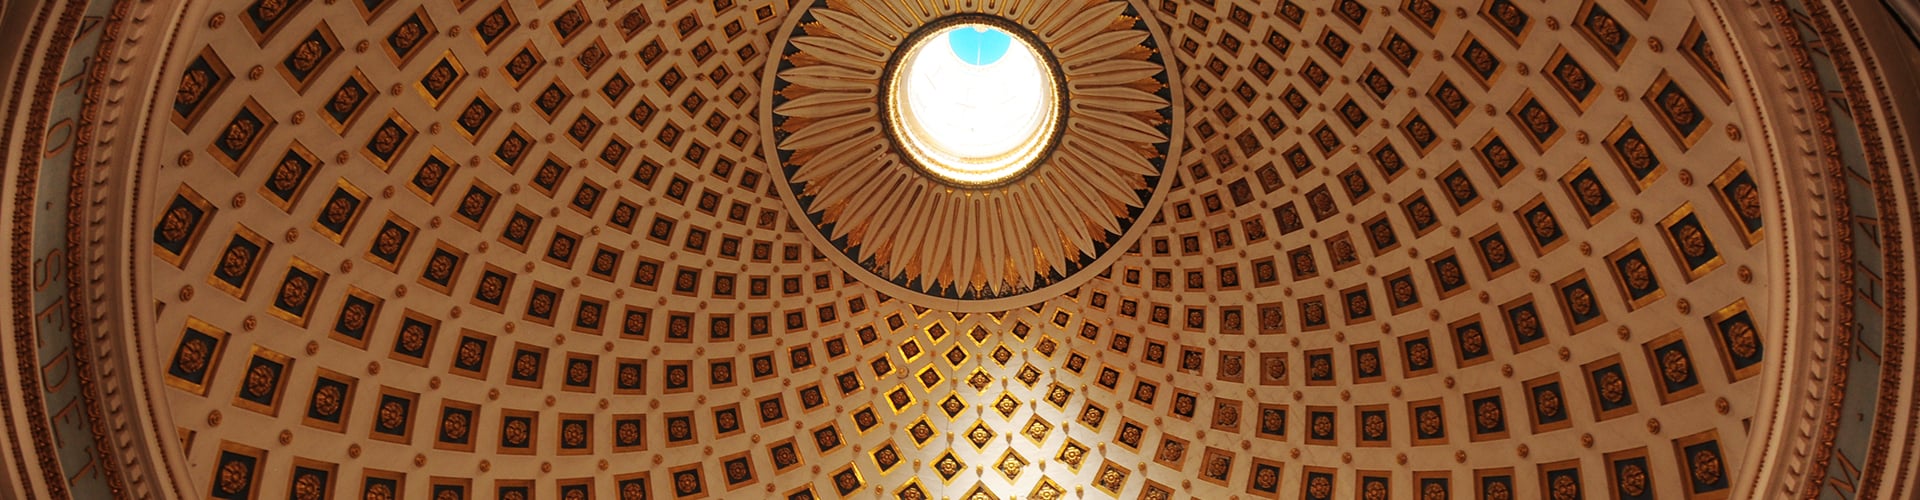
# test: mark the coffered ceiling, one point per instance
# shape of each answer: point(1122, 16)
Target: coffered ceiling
point(480, 249)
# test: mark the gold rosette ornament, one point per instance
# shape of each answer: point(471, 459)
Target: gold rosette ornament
point(971, 155)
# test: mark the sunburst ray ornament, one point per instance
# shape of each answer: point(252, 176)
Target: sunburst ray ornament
point(969, 155)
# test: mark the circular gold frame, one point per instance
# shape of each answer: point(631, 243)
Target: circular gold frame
point(1022, 160)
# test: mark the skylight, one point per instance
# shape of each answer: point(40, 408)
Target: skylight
point(973, 104)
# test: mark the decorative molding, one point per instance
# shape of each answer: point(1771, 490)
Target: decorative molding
point(120, 93)
point(1802, 408)
point(33, 118)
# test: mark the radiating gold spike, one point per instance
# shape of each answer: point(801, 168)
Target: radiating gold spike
point(1019, 240)
point(893, 220)
point(884, 10)
point(834, 78)
point(1119, 99)
point(1113, 126)
point(838, 131)
point(1100, 47)
point(1112, 72)
point(1046, 16)
point(839, 52)
point(1081, 26)
point(801, 59)
point(825, 104)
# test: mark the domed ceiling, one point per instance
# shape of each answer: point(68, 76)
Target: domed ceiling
point(486, 249)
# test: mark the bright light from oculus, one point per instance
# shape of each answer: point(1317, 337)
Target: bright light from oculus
point(973, 104)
